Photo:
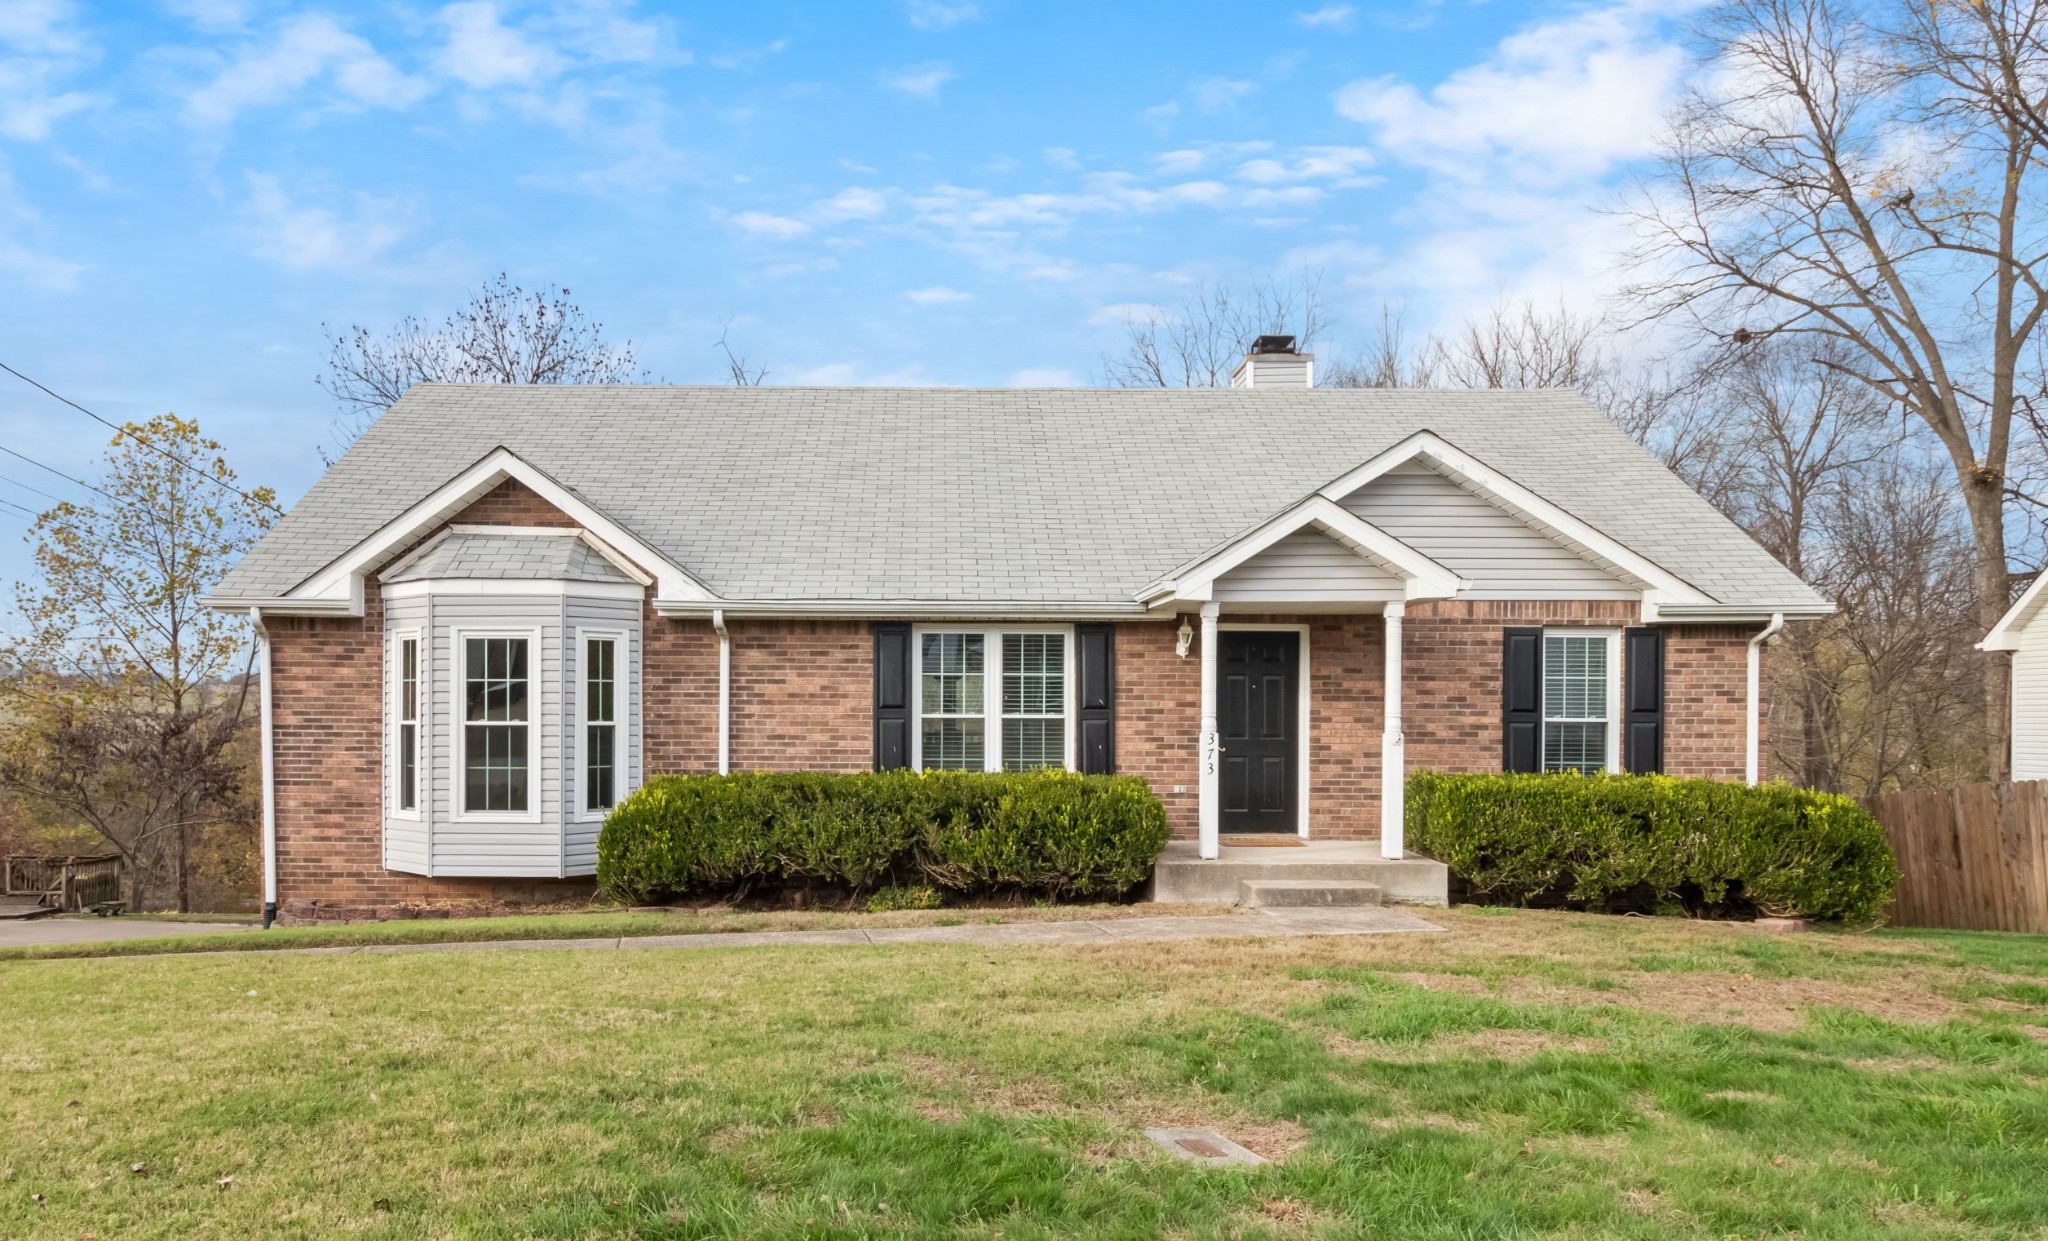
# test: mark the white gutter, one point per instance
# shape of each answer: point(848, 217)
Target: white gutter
point(1756, 644)
point(724, 691)
point(269, 769)
point(866, 609)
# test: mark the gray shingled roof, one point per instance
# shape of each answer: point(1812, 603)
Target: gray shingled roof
point(525, 557)
point(1056, 496)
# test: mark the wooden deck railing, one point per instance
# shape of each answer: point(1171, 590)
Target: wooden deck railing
point(70, 884)
point(1972, 857)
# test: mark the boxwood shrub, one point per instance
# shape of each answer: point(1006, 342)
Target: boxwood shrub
point(1049, 833)
point(1596, 842)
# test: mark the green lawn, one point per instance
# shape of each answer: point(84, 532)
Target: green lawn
point(1526, 1075)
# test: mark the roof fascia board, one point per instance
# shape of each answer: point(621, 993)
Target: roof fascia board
point(342, 579)
point(2005, 635)
point(1423, 578)
point(937, 609)
point(1665, 587)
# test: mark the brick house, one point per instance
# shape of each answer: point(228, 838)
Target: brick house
point(505, 607)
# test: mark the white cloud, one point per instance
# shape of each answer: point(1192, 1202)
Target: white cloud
point(1338, 17)
point(210, 14)
point(1062, 157)
point(307, 47)
point(20, 258)
point(938, 295)
point(1125, 312)
point(920, 81)
point(482, 51)
point(1340, 165)
point(40, 46)
point(762, 224)
point(308, 237)
point(935, 15)
point(1042, 377)
point(1215, 94)
point(854, 375)
point(852, 203)
point(1573, 97)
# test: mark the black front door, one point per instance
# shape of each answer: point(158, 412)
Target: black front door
point(1258, 674)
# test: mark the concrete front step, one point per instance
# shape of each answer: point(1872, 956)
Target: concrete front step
point(1183, 876)
point(1306, 893)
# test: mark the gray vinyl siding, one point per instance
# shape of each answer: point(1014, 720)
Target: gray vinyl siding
point(1308, 567)
point(1502, 557)
point(621, 616)
point(2030, 703)
point(405, 837)
point(555, 841)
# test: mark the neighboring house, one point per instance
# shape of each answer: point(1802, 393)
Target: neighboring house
point(505, 607)
point(2022, 632)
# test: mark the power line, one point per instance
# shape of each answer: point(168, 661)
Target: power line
point(165, 453)
point(22, 456)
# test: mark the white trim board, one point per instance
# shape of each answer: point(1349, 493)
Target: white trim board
point(339, 586)
point(1422, 577)
point(1303, 717)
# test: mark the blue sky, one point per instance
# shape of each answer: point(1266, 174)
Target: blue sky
point(904, 191)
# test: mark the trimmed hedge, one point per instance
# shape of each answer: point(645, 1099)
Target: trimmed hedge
point(1048, 832)
point(1591, 841)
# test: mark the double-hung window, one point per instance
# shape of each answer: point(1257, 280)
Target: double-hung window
point(1580, 681)
point(1021, 723)
point(600, 723)
point(409, 723)
point(496, 735)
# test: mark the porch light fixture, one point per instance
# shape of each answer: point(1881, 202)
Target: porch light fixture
point(1186, 638)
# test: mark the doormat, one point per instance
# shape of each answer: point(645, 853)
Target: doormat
point(1262, 842)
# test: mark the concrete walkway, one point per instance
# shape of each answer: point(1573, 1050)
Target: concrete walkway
point(21, 934)
point(1257, 924)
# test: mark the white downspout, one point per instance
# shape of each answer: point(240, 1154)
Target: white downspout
point(1209, 812)
point(269, 749)
point(724, 691)
point(1393, 748)
point(1756, 645)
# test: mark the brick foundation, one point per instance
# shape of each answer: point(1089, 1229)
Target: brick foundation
point(802, 700)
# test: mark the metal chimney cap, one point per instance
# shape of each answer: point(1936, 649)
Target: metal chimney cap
point(1273, 344)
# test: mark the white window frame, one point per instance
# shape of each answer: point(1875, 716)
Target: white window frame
point(422, 724)
point(991, 688)
point(536, 711)
point(1614, 672)
point(621, 721)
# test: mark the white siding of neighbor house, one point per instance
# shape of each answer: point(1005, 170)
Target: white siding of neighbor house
point(556, 841)
point(1308, 567)
point(1502, 557)
point(2030, 703)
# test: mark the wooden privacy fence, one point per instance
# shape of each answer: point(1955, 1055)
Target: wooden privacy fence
point(1973, 856)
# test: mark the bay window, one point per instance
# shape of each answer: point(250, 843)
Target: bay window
point(600, 723)
point(409, 723)
point(1023, 725)
point(495, 733)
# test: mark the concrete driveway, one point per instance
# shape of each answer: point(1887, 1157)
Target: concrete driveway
point(19, 932)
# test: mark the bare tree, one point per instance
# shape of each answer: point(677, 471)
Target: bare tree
point(737, 368)
point(503, 334)
point(1200, 341)
point(129, 700)
point(1834, 180)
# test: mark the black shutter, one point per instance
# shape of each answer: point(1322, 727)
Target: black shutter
point(1521, 700)
point(1642, 738)
point(1095, 698)
point(892, 695)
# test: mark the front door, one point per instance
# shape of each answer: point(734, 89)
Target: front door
point(1258, 674)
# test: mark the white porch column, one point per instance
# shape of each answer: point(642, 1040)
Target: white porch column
point(1393, 747)
point(1209, 813)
